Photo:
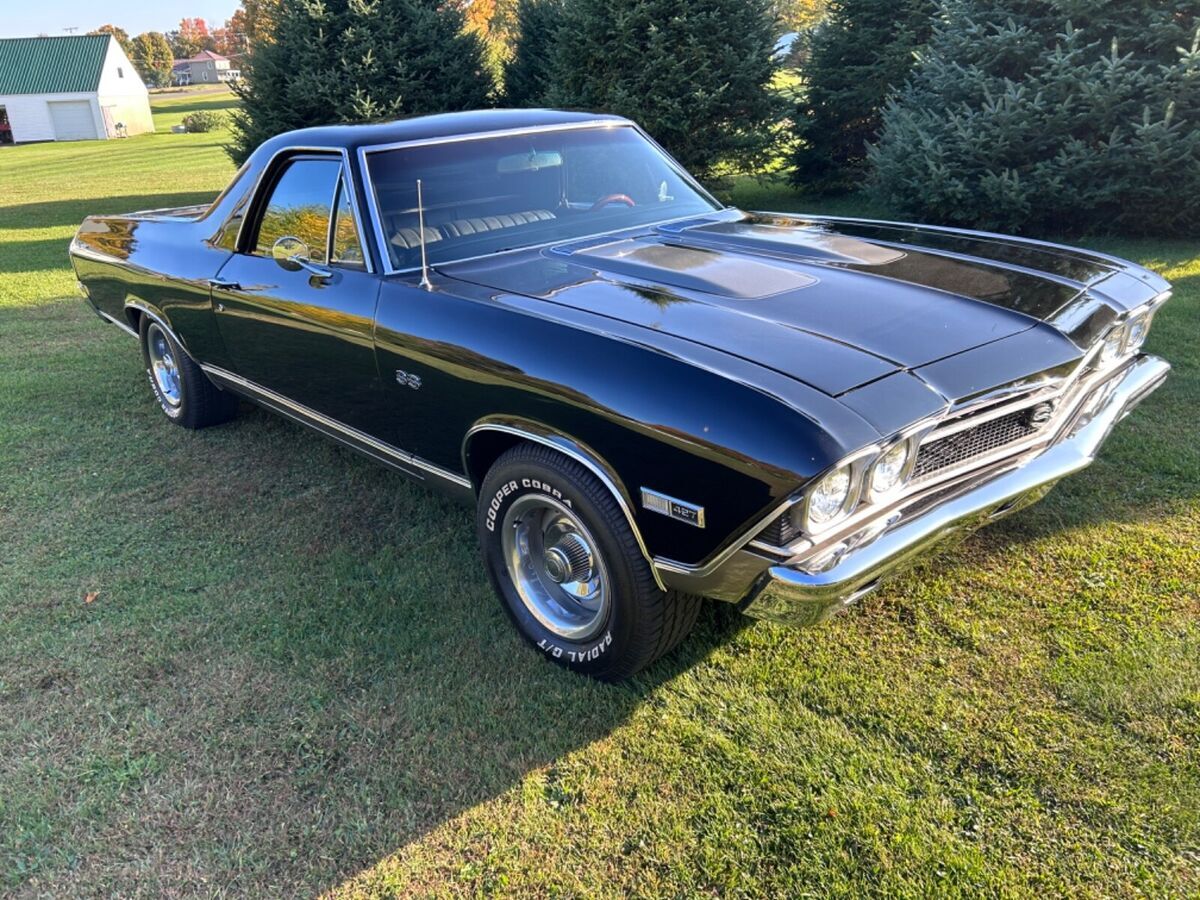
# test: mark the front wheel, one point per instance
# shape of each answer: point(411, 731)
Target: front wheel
point(561, 555)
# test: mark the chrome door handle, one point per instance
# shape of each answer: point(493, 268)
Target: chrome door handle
point(218, 284)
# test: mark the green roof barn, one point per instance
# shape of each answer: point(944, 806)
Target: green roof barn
point(76, 87)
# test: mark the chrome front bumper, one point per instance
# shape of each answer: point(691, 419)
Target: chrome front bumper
point(796, 597)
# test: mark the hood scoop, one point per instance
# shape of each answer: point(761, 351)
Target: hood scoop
point(692, 269)
point(795, 237)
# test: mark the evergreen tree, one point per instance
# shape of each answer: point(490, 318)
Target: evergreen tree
point(695, 73)
point(151, 55)
point(527, 74)
point(330, 61)
point(862, 52)
point(1050, 116)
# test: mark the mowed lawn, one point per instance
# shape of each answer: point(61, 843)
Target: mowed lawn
point(245, 661)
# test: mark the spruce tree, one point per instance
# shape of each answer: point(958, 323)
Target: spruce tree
point(1050, 116)
point(527, 75)
point(695, 74)
point(331, 61)
point(860, 53)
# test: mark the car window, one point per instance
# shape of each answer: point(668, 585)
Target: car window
point(347, 245)
point(523, 190)
point(299, 207)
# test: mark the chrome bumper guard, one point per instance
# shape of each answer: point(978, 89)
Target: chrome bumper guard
point(793, 596)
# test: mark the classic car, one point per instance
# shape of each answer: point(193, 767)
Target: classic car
point(649, 397)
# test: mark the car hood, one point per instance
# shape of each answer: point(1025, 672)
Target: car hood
point(834, 304)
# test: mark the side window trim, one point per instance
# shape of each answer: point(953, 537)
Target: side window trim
point(266, 183)
point(343, 190)
point(280, 164)
point(333, 209)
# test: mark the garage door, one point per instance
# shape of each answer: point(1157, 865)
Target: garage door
point(73, 120)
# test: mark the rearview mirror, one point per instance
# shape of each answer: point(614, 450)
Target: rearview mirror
point(529, 162)
point(291, 252)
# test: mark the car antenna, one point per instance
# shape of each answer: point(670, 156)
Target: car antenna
point(425, 282)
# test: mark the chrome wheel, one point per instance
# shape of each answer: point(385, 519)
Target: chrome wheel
point(554, 564)
point(163, 365)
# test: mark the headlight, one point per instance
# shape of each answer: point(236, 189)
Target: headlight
point(828, 498)
point(1114, 344)
point(889, 470)
point(1138, 328)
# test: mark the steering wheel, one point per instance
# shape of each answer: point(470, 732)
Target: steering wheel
point(612, 198)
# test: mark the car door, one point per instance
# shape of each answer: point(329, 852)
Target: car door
point(296, 303)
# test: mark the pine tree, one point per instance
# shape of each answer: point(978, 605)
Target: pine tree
point(1050, 116)
point(527, 74)
point(862, 52)
point(330, 61)
point(695, 73)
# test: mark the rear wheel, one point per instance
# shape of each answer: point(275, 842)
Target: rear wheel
point(561, 555)
point(179, 385)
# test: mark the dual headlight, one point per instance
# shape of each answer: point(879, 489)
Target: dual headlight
point(838, 493)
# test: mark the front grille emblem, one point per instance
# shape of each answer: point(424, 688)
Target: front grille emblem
point(1040, 415)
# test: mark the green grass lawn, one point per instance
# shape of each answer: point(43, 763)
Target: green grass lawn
point(246, 661)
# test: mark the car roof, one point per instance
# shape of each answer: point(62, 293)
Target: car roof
point(421, 128)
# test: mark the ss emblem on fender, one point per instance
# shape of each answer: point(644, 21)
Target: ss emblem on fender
point(408, 380)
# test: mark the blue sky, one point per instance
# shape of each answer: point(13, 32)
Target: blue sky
point(24, 18)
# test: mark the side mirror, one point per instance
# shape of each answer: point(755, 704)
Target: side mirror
point(293, 254)
point(290, 252)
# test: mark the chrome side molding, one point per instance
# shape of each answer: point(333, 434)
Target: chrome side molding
point(352, 437)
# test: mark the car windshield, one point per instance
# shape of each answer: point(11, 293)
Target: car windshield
point(487, 195)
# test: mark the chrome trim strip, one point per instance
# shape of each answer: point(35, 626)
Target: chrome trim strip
point(594, 463)
point(613, 122)
point(311, 417)
point(377, 220)
point(122, 325)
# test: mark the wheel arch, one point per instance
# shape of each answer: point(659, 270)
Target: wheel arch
point(136, 310)
point(489, 438)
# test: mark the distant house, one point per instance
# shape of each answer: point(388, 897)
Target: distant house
point(71, 88)
point(205, 67)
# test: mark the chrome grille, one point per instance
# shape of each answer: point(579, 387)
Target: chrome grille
point(941, 453)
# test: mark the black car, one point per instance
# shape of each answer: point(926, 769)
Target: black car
point(649, 397)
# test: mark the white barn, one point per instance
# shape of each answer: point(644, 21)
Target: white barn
point(71, 88)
